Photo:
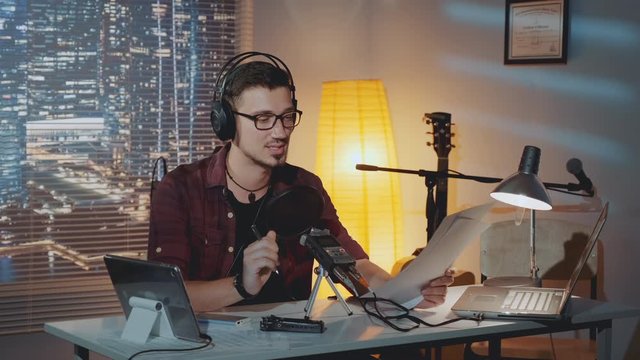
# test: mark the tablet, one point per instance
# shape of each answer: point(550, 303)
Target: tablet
point(159, 282)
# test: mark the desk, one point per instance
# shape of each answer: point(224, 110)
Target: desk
point(356, 333)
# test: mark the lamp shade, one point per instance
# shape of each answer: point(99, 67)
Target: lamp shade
point(355, 127)
point(524, 188)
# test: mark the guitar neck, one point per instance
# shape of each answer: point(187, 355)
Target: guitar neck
point(443, 164)
point(441, 123)
point(441, 189)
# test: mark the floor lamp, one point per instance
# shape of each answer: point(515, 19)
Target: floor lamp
point(355, 126)
point(524, 189)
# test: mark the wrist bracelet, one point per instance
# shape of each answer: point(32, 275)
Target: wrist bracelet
point(237, 283)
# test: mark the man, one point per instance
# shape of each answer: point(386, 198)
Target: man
point(202, 213)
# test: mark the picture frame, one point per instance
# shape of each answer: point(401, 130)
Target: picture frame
point(536, 32)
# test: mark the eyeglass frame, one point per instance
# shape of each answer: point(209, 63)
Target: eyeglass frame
point(280, 117)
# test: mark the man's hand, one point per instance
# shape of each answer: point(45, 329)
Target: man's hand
point(260, 259)
point(435, 291)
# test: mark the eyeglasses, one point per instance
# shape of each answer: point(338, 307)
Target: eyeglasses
point(266, 121)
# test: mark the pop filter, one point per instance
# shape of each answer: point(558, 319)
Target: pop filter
point(294, 211)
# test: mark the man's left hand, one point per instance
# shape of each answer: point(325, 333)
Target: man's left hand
point(435, 292)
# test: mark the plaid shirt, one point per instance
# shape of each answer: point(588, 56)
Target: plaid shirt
point(193, 224)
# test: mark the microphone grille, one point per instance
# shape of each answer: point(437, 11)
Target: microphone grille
point(574, 166)
point(365, 167)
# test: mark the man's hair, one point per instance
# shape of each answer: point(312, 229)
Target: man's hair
point(254, 74)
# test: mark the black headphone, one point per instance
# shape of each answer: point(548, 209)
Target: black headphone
point(222, 117)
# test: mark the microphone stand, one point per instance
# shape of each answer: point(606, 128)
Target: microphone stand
point(432, 176)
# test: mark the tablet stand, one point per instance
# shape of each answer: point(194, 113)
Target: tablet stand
point(147, 317)
point(322, 273)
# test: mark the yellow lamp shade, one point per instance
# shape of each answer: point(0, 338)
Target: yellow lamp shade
point(355, 127)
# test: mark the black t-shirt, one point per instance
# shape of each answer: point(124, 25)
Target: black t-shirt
point(247, 215)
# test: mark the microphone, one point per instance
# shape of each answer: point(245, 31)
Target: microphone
point(365, 167)
point(574, 166)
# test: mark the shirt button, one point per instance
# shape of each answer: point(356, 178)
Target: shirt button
point(230, 215)
point(230, 249)
point(158, 250)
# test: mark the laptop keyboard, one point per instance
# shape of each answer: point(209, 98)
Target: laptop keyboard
point(528, 300)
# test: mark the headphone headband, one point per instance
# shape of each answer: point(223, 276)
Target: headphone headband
point(236, 60)
point(222, 118)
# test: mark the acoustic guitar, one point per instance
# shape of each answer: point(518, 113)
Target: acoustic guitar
point(436, 209)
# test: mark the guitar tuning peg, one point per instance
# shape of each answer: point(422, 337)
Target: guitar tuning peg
point(428, 132)
point(452, 145)
point(429, 143)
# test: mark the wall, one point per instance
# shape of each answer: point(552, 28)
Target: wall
point(448, 56)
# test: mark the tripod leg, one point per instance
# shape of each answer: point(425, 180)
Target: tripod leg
point(314, 294)
point(340, 298)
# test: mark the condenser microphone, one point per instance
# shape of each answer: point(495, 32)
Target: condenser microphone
point(574, 166)
point(365, 167)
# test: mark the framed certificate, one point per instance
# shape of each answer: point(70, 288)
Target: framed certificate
point(536, 31)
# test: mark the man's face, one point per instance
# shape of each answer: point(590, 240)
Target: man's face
point(267, 148)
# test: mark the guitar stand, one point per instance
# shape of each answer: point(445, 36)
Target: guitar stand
point(322, 273)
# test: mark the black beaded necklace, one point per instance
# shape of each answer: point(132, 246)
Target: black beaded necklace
point(252, 195)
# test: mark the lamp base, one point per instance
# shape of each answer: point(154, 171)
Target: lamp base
point(513, 281)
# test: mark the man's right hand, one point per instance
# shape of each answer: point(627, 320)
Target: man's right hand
point(260, 260)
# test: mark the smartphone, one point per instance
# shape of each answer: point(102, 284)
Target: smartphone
point(224, 319)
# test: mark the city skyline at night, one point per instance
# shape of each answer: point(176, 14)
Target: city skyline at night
point(92, 93)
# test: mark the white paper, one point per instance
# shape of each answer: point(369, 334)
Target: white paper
point(451, 237)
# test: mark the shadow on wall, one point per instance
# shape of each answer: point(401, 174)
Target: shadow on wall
point(573, 248)
point(563, 269)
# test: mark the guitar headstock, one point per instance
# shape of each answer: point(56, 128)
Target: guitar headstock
point(441, 123)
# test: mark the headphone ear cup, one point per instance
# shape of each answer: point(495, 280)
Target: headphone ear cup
point(222, 120)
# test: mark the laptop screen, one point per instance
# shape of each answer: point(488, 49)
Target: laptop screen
point(586, 252)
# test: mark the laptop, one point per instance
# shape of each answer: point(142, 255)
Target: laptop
point(159, 282)
point(496, 302)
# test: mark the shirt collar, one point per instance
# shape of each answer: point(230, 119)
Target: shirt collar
point(217, 170)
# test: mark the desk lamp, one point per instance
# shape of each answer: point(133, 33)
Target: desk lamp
point(524, 189)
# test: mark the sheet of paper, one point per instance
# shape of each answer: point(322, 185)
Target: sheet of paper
point(450, 238)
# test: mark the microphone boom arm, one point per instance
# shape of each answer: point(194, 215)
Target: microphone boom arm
point(432, 176)
point(483, 179)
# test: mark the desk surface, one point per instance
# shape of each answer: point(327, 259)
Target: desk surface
point(344, 333)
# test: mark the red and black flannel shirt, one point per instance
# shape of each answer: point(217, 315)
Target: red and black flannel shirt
point(193, 226)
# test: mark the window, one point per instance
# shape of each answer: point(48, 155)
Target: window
point(92, 92)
